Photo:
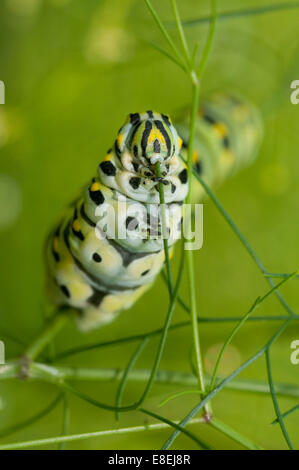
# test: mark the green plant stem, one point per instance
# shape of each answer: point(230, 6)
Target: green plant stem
point(275, 402)
point(56, 374)
point(195, 100)
point(165, 33)
point(196, 339)
point(195, 81)
point(181, 394)
point(225, 381)
point(230, 319)
point(88, 435)
point(256, 304)
point(126, 373)
point(52, 328)
point(180, 31)
point(242, 239)
point(164, 230)
point(173, 297)
point(176, 426)
point(190, 259)
point(233, 434)
point(174, 327)
point(66, 420)
point(194, 54)
point(164, 332)
point(33, 419)
point(209, 41)
point(286, 413)
point(154, 370)
point(166, 54)
point(279, 275)
point(244, 12)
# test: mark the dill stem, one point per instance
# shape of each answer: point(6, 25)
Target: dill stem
point(87, 435)
point(166, 34)
point(52, 328)
point(181, 32)
point(190, 258)
point(164, 230)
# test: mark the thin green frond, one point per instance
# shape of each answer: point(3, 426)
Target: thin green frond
point(234, 435)
point(164, 32)
point(275, 401)
point(126, 373)
point(87, 435)
point(173, 424)
point(32, 420)
point(181, 394)
point(242, 239)
point(66, 419)
point(239, 13)
point(256, 304)
point(181, 32)
point(209, 41)
point(286, 413)
point(166, 54)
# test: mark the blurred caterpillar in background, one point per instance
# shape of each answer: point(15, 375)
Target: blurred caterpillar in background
point(99, 272)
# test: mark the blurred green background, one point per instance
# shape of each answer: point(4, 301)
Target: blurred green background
point(73, 70)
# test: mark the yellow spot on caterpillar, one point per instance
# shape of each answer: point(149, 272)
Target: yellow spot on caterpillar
point(156, 134)
point(95, 187)
point(120, 138)
point(76, 225)
point(107, 158)
point(56, 244)
point(180, 143)
point(195, 156)
point(221, 129)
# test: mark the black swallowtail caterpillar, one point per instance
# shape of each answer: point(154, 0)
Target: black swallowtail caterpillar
point(95, 271)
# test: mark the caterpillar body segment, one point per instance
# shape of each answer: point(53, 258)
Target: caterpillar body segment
point(108, 249)
point(228, 135)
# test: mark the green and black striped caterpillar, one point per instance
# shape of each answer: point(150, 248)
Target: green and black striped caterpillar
point(108, 250)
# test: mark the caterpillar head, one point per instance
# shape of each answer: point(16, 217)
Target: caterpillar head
point(146, 139)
